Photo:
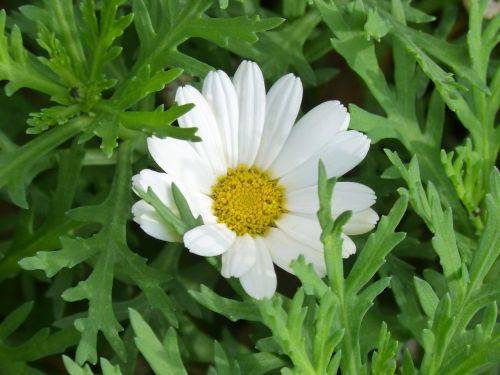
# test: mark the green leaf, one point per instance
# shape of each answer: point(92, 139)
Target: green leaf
point(21, 69)
point(15, 358)
point(74, 369)
point(47, 235)
point(377, 127)
point(100, 34)
point(444, 241)
point(160, 40)
point(169, 218)
point(164, 358)
point(223, 364)
point(488, 250)
point(75, 251)
point(65, 26)
point(107, 368)
point(383, 361)
point(158, 122)
point(312, 283)
point(278, 51)
point(97, 289)
point(376, 26)
point(408, 368)
point(184, 210)
point(106, 250)
point(428, 298)
point(106, 127)
point(142, 84)
point(16, 165)
point(233, 310)
point(14, 320)
point(259, 363)
point(326, 339)
point(379, 244)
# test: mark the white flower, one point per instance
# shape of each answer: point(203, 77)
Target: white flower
point(253, 178)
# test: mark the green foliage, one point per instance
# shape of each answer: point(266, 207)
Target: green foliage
point(310, 331)
point(85, 82)
point(450, 318)
point(164, 357)
point(15, 358)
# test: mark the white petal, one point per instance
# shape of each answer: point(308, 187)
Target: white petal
point(240, 257)
point(202, 117)
point(160, 184)
point(311, 133)
point(209, 239)
point(260, 280)
point(347, 196)
point(221, 95)
point(303, 229)
point(251, 91)
point(151, 223)
point(339, 156)
point(351, 196)
point(348, 247)
point(284, 249)
point(200, 204)
point(179, 159)
point(361, 222)
point(282, 107)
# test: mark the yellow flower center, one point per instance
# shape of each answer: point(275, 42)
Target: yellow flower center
point(247, 200)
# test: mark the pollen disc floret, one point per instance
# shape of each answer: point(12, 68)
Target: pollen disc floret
point(247, 200)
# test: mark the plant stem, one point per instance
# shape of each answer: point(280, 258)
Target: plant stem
point(41, 146)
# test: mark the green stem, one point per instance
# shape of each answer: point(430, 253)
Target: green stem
point(351, 356)
point(40, 146)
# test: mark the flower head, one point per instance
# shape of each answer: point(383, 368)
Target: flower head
point(253, 178)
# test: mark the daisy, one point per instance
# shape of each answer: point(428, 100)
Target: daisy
point(253, 178)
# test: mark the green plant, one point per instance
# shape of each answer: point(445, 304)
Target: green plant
point(86, 82)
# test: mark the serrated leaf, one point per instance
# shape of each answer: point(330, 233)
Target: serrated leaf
point(379, 244)
point(142, 84)
point(21, 68)
point(488, 250)
point(279, 50)
point(234, 310)
point(444, 241)
point(383, 360)
point(73, 368)
point(158, 122)
point(164, 358)
point(160, 41)
point(75, 251)
point(312, 283)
